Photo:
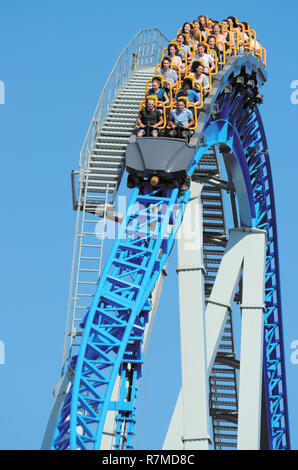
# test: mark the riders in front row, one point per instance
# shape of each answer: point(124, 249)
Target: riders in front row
point(150, 119)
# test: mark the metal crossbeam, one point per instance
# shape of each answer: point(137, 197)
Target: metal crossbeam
point(114, 327)
point(113, 330)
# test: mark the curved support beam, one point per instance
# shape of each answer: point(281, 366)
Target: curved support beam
point(119, 312)
point(245, 254)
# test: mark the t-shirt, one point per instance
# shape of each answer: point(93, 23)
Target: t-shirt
point(186, 49)
point(214, 52)
point(176, 60)
point(206, 59)
point(192, 95)
point(171, 75)
point(220, 38)
point(182, 117)
point(159, 94)
point(150, 117)
point(204, 80)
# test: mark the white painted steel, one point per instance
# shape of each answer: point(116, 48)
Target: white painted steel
point(192, 325)
point(245, 251)
point(59, 392)
point(252, 335)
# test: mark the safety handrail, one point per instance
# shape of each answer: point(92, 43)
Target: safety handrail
point(184, 58)
point(178, 55)
point(229, 41)
point(194, 82)
point(164, 83)
point(264, 55)
point(242, 30)
point(228, 48)
point(189, 73)
point(253, 32)
point(248, 47)
point(172, 66)
point(237, 40)
point(201, 39)
point(158, 104)
point(177, 70)
point(144, 49)
point(189, 53)
point(188, 105)
point(213, 53)
point(223, 61)
point(200, 92)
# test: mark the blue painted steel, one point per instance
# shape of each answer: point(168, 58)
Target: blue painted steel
point(276, 386)
point(242, 130)
point(114, 326)
point(113, 330)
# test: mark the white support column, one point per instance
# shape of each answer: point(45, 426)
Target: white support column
point(251, 354)
point(173, 439)
point(223, 293)
point(60, 392)
point(192, 325)
point(246, 249)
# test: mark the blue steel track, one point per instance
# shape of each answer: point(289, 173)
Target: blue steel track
point(114, 327)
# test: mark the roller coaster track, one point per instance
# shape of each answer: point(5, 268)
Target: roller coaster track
point(229, 127)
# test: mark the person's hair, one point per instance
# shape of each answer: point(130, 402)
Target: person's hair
point(187, 82)
point(187, 22)
point(201, 45)
point(150, 98)
point(211, 37)
point(184, 38)
point(174, 45)
point(195, 65)
point(220, 28)
point(234, 24)
point(183, 100)
point(201, 25)
point(165, 58)
point(215, 48)
point(245, 24)
point(156, 79)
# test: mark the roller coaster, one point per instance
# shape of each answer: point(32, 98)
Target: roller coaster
point(211, 193)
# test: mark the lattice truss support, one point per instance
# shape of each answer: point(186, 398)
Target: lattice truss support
point(114, 327)
point(239, 126)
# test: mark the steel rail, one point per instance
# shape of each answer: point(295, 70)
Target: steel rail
point(128, 61)
point(132, 56)
point(225, 118)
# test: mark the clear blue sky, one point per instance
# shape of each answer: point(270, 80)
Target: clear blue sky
point(54, 59)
